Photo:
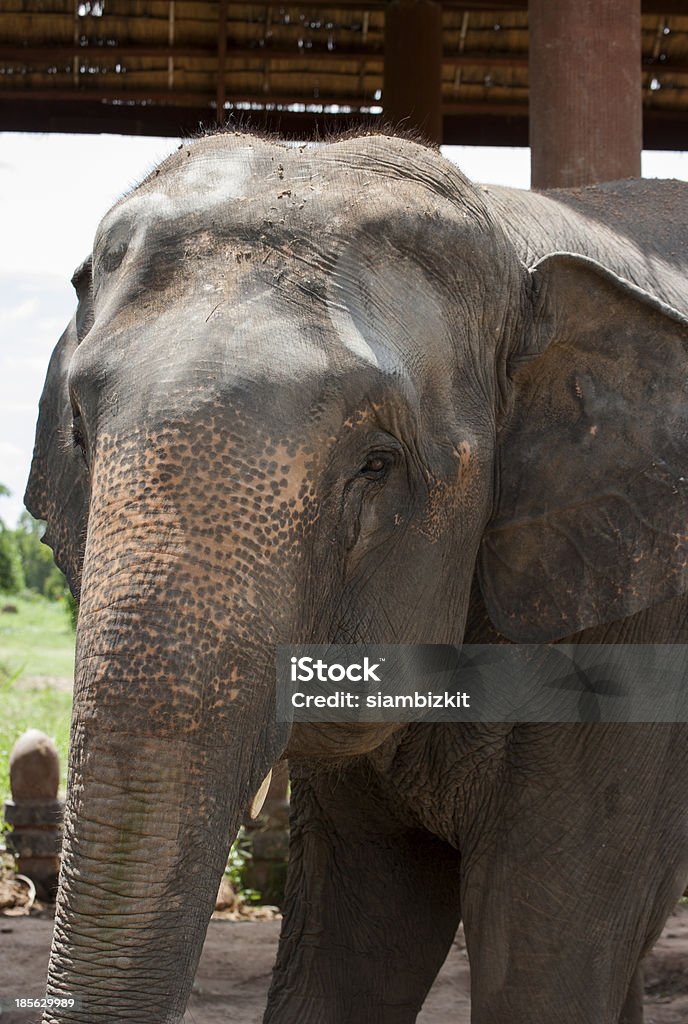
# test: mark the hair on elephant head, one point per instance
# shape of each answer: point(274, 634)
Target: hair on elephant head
point(309, 391)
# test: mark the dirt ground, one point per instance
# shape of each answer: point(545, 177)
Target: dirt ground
point(234, 973)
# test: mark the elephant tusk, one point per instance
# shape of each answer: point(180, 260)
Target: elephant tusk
point(259, 798)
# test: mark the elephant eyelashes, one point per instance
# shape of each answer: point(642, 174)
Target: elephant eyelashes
point(78, 439)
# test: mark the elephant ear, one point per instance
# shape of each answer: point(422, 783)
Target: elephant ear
point(58, 485)
point(591, 515)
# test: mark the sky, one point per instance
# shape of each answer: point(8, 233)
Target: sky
point(54, 189)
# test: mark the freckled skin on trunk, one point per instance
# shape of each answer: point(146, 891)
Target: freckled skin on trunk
point(167, 747)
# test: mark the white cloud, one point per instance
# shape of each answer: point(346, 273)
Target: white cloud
point(53, 191)
point(662, 164)
point(12, 474)
point(25, 346)
point(492, 165)
point(21, 406)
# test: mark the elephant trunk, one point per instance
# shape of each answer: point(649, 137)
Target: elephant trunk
point(146, 838)
point(172, 733)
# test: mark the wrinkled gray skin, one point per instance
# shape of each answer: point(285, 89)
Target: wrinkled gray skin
point(341, 394)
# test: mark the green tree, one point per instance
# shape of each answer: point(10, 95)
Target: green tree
point(40, 572)
point(11, 575)
point(25, 562)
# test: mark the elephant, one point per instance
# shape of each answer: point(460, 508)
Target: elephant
point(339, 393)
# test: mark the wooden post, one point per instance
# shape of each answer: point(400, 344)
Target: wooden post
point(221, 62)
point(412, 90)
point(170, 43)
point(585, 91)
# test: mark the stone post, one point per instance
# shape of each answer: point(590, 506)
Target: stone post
point(34, 812)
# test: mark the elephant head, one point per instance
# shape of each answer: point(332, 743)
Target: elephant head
point(306, 392)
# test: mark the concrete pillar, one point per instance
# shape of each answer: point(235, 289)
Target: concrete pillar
point(34, 812)
point(412, 90)
point(585, 91)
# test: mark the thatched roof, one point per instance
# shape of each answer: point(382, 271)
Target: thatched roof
point(154, 66)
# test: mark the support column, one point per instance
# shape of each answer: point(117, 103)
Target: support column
point(412, 91)
point(221, 62)
point(585, 91)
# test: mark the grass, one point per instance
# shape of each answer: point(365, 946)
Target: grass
point(36, 641)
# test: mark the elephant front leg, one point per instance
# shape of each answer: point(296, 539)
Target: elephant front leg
point(632, 1012)
point(535, 963)
point(569, 877)
point(371, 910)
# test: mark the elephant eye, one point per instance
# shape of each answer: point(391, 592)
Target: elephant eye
point(375, 466)
point(78, 438)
